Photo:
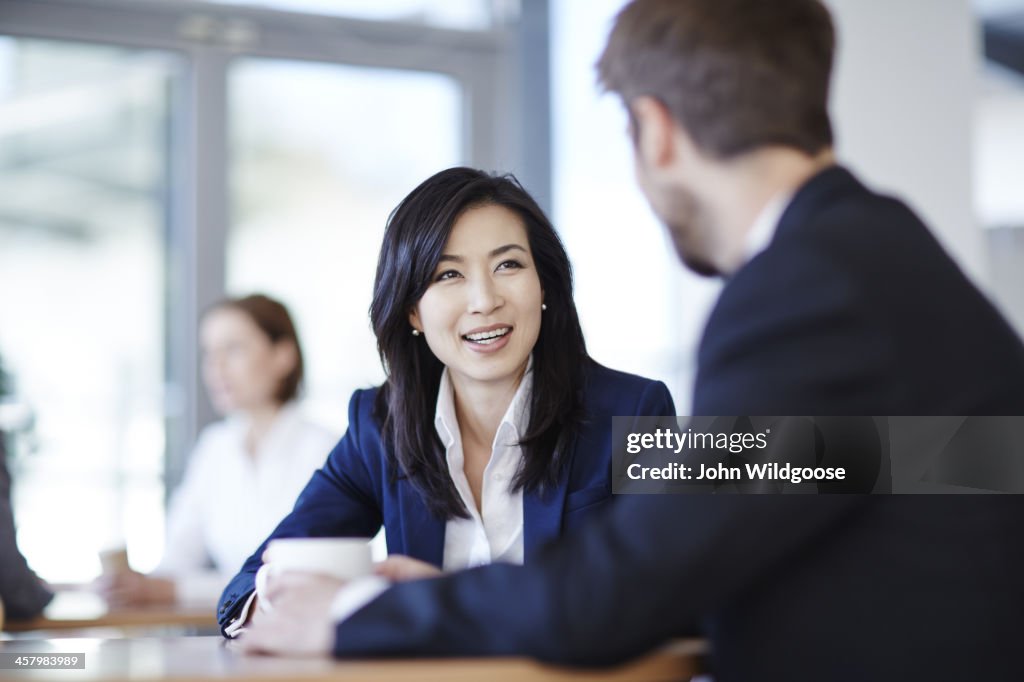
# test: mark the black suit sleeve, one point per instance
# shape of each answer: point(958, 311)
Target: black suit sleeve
point(21, 592)
point(651, 569)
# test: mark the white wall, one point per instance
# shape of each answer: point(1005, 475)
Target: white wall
point(999, 186)
point(905, 82)
point(999, 149)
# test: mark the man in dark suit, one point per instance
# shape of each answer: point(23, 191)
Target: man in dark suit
point(838, 301)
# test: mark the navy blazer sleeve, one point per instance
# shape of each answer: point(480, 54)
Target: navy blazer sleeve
point(339, 500)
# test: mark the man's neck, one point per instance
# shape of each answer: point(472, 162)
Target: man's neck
point(742, 188)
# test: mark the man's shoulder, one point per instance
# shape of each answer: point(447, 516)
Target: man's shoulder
point(843, 309)
point(839, 241)
point(791, 277)
point(835, 215)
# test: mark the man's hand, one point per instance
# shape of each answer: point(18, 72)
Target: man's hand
point(300, 623)
point(399, 568)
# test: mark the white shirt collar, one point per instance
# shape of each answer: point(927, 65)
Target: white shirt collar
point(765, 225)
point(513, 424)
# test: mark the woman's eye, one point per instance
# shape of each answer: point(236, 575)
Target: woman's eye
point(510, 265)
point(447, 274)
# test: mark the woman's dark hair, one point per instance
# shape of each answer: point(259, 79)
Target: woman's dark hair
point(273, 319)
point(414, 240)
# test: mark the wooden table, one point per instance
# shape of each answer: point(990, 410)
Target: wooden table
point(208, 659)
point(73, 610)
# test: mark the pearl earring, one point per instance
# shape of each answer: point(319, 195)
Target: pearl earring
point(543, 306)
point(415, 332)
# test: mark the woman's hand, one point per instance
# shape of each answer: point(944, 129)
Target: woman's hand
point(399, 568)
point(130, 588)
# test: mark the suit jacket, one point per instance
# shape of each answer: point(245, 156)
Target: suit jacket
point(354, 494)
point(852, 309)
point(21, 592)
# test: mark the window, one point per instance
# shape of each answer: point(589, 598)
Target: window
point(465, 14)
point(158, 156)
point(83, 164)
point(320, 155)
point(659, 307)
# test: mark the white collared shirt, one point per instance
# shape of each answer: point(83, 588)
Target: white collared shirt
point(495, 533)
point(762, 231)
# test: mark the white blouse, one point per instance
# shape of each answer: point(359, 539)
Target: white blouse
point(495, 533)
point(211, 529)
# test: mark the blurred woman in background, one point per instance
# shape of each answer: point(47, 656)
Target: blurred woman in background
point(246, 471)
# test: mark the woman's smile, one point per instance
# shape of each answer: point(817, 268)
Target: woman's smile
point(488, 339)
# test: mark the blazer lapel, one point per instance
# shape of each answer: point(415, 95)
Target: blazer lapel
point(542, 515)
point(422, 531)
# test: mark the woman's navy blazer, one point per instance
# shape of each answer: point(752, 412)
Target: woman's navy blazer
point(354, 493)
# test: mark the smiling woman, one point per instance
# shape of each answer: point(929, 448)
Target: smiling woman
point(481, 317)
point(468, 253)
point(485, 295)
point(492, 433)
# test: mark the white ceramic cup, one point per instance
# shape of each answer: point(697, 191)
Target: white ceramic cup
point(342, 558)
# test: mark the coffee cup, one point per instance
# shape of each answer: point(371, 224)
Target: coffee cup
point(114, 561)
point(342, 558)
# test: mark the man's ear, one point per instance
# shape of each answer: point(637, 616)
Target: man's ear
point(655, 131)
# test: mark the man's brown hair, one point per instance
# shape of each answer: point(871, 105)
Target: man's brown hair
point(735, 74)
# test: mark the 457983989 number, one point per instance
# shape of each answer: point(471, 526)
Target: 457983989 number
point(41, 661)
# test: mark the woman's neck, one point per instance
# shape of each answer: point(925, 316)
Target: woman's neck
point(260, 419)
point(479, 408)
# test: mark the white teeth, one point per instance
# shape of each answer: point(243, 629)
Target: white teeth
point(488, 337)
